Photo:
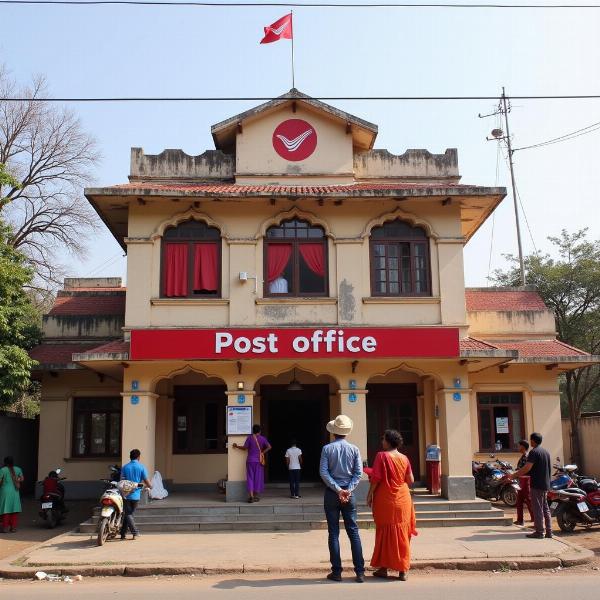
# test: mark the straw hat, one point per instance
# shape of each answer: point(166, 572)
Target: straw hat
point(341, 425)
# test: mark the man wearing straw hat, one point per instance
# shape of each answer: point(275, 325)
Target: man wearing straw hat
point(341, 469)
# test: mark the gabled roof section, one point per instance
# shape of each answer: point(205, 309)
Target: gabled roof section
point(503, 299)
point(363, 132)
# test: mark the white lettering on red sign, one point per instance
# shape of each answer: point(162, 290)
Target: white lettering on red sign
point(329, 341)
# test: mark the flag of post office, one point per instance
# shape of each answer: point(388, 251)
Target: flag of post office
point(282, 28)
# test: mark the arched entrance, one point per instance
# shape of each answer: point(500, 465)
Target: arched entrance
point(295, 405)
point(392, 403)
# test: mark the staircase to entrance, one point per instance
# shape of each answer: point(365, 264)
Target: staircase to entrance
point(275, 512)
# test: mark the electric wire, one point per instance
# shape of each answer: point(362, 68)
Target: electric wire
point(480, 6)
point(291, 97)
point(564, 138)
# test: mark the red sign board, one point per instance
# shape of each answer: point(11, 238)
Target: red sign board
point(338, 342)
point(294, 139)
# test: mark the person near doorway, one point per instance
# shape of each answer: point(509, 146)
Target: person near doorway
point(524, 494)
point(11, 478)
point(136, 472)
point(257, 447)
point(539, 469)
point(340, 468)
point(293, 460)
point(393, 508)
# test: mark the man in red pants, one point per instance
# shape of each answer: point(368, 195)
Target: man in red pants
point(524, 495)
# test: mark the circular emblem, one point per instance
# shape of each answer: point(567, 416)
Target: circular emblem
point(294, 139)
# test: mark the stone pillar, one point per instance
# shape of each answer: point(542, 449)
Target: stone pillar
point(139, 427)
point(236, 459)
point(353, 403)
point(455, 442)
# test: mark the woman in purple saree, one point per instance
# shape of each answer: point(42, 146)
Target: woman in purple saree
point(257, 447)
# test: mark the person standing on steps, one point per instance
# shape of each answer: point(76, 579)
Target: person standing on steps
point(539, 469)
point(293, 460)
point(257, 447)
point(524, 494)
point(134, 471)
point(341, 469)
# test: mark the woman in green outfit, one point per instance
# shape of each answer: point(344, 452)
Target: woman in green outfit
point(11, 478)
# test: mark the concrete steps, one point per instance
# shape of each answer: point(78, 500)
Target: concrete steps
point(275, 516)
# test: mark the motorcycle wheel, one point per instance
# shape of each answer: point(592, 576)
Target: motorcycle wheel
point(566, 521)
point(509, 496)
point(51, 519)
point(103, 531)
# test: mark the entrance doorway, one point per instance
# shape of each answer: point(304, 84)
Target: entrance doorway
point(300, 415)
point(393, 406)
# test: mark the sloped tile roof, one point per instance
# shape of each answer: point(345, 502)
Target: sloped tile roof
point(541, 348)
point(116, 347)
point(503, 300)
point(475, 344)
point(49, 353)
point(89, 304)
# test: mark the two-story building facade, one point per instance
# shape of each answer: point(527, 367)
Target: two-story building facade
point(289, 275)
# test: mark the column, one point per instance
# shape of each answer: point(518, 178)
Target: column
point(353, 404)
point(455, 442)
point(236, 459)
point(139, 427)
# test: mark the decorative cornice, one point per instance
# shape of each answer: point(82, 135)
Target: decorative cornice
point(189, 301)
point(297, 213)
point(403, 215)
point(186, 216)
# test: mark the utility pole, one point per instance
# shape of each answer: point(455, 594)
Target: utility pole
point(503, 109)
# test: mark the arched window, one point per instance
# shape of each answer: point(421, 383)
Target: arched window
point(295, 260)
point(191, 261)
point(399, 260)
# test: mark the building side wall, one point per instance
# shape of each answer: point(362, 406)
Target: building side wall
point(589, 436)
point(527, 324)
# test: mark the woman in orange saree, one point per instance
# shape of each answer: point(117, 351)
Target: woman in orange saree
point(393, 509)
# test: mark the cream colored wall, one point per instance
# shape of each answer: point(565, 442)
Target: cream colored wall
point(243, 224)
point(528, 324)
point(589, 436)
point(255, 154)
point(56, 409)
point(541, 406)
point(101, 326)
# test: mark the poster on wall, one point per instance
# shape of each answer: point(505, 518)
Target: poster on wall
point(502, 425)
point(239, 420)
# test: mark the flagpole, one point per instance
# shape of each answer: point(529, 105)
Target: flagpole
point(292, 23)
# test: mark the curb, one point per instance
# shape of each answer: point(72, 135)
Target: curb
point(570, 559)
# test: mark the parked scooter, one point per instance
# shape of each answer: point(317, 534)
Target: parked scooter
point(52, 500)
point(577, 505)
point(491, 482)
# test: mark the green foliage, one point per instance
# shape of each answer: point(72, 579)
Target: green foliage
point(19, 322)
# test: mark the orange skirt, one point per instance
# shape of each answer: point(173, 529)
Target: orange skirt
point(395, 524)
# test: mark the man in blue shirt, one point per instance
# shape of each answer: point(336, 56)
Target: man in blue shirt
point(341, 469)
point(133, 471)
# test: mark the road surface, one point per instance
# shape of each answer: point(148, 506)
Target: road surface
point(421, 586)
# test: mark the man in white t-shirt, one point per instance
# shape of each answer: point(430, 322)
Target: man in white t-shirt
point(293, 459)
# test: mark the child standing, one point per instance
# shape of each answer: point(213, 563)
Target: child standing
point(293, 459)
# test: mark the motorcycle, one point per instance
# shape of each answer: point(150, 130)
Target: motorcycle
point(111, 507)
point(52, 506)
point(491, 482)
point(577, 505)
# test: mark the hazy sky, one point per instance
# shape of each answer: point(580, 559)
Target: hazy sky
point(177, 51)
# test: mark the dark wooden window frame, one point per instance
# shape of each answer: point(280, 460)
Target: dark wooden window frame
point(295, 257)
point(397, 242)
point(190, 243)
point(509, 406)
point(88, 426)
point(210, 393)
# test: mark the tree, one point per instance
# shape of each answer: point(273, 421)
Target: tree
point(570, 286)
point(51, 158)
point(19, 320)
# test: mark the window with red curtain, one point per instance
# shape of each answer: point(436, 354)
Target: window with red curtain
point(191, 261)
point(295, 260)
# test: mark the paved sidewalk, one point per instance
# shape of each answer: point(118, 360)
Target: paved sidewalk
point(467, 548)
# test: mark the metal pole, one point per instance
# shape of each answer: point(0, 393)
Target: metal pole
point(514, 190)
point(292, 24)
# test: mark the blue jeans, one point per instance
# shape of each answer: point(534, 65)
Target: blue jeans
point(129, 507)
point(333, 508)
point(294, 475)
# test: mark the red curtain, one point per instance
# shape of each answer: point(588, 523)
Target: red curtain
point(176, 270)
point(278, 257)
point(206, 267)
point(314, 256)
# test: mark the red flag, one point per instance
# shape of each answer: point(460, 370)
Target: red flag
point(282, 28)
